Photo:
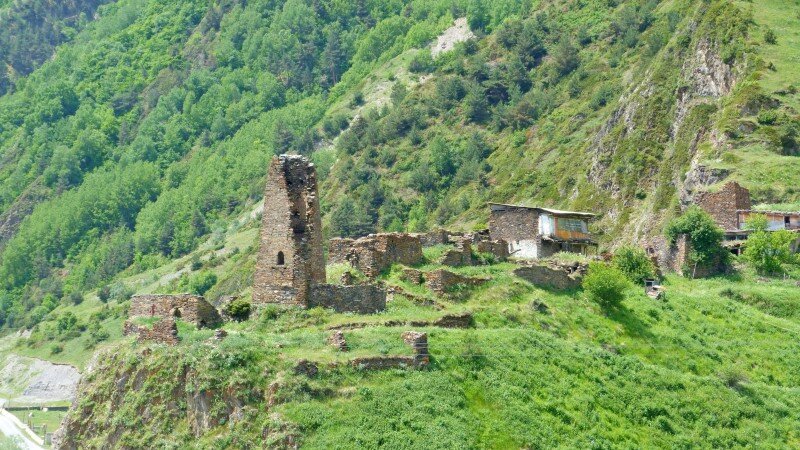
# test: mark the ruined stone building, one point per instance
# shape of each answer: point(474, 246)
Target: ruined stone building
point(290, 258)
point(290, 268)
point(533, 233)
point(187, 307)
point(730, 208)
point(377, 252)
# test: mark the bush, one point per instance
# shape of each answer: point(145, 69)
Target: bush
point(202, 282)
point(704, 235)
point(56, 349)
point(76, 298)
point(605, 284)
point(767, 252)
point(767, 117)
point(634, 263)
point(238, 310)
point(770, 37)
point(104, 293)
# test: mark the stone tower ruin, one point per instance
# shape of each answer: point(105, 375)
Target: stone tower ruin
point(290, 260)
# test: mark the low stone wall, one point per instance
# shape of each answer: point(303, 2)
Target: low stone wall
point(359, 298)
point(549, 277)
point(383, 362)
point(189, 308)
point(163, 332)
point(458, 320)
point(442, 281)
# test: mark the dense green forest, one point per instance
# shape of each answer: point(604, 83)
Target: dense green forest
point(149, 130)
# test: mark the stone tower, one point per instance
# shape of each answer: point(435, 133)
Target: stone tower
point(290, 259)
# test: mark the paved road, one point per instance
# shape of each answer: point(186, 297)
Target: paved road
point(8, 428)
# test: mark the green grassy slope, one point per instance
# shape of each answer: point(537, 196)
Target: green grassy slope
point(705, 367)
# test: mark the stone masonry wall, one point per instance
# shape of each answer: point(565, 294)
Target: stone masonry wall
point(377, 252)
point(189, 308)
point(443, 281)
point(165, 331)
point(722, 205)
point(290, 258)
point(514, 224)
point(359, 298)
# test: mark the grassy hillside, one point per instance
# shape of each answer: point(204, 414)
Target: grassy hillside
point(710, 364)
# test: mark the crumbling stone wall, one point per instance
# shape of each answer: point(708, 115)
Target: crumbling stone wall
point(460, 255)
point(722, 205)
point(377, 252)
point(443, 281)
point(188, 307)
point(359, 298)
point(290, 259)
point(419, 345)
point(165, 331)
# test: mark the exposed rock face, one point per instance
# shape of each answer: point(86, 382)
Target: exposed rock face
point(461, 255)
point(307, 368)
point(549, 277)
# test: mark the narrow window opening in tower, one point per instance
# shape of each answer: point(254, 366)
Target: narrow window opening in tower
point(281, 259)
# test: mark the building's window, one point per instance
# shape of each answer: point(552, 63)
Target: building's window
point(281, 259)
point(572, 225)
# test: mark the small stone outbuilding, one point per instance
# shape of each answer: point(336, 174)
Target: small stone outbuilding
point(187, 307)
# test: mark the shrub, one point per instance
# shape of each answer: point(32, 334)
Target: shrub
point(202, 282)
point(767, 117)
point(770, 37)
point(56, 349)
point(634, 263)
point(238, 309)
point(76, 298)
point(704, 235)
point(767, 252)
point(196, 264)
point(104, 293)
point(605, 284)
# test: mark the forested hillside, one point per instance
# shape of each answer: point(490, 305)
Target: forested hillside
point(149, 131)
point(31, 29)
